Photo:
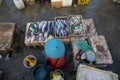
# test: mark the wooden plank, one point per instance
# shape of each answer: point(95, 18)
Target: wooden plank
point(101, 49)
point(89, 27)
point(6, 35)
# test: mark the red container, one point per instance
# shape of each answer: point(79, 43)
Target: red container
point(57, 63)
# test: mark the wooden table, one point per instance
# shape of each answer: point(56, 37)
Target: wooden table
point(6, 35)
point(1, 2)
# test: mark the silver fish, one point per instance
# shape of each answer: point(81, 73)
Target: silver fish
point(41, 24)
point(36, 38)
point(62, 32)
point(59, 25)
point(49, 27)
point(45, 34)
point(32, 39)
point(41, 39)
point(44, 26)
point(59, 34)
point(31, 29)
point(52, 27)
point(65, 33)
point(35, 25)
point(65, 22)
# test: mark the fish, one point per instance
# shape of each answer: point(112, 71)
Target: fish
point(32, 39)
point(76, 23)
point(65, 22)
point(41, 24)
point(32, 33)
point(35, 25)
point(65, 33)
point(57, 32)
point(62, 32)
point(61, 27)
point(45, 34)
point(31, 27)
point(48, 27)
point(52, 27)
point(36, 38)
point(41, 39)
point(44, 26)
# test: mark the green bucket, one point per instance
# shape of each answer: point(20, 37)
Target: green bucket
point(39, 73)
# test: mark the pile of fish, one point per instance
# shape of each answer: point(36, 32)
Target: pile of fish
point(61, 27)
point(76, 26)
point(40, 31)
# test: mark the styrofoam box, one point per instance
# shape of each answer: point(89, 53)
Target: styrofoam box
point(66, 3)
point(19, 4)
point(56, 0)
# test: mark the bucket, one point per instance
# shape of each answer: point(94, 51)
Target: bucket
point(57, 63)
point(52, 74)
point(90, 56)
point(83, 2)
point(29, 61)
point(39, 73)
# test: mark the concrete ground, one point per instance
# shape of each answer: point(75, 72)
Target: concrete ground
point(106, 17)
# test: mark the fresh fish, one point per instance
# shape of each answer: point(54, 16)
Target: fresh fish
point(65, 33)
point(32, 27)
point(32, 39)
point(65, 22)
point(52, 27)
point(62, 25)
point(41, 24)
point(41, 39)
point(62, 32)
point(36, 38)
point(49, 27)
point(45, 34)
point(57, 32)
point(44, 26)
point(32, 33)
point(35, 25)
point(66, 29)
point(59, 25)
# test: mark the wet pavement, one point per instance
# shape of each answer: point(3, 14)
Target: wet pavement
point(106, 17)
